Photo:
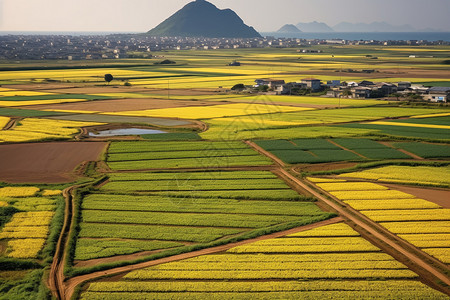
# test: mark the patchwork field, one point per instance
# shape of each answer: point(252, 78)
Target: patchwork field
point(244, 195)
point(309, 265)
point(136, 212)
point(344, 149)
point(154, 155)
point(422, 223)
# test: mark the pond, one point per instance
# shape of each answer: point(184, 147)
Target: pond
point(124, 131)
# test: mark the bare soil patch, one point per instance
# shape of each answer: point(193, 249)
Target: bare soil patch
point(438, 196)
point(45, 162)
point(123, 105)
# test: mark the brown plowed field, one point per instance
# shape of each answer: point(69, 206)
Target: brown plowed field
point(45, 162)
point(123, 105)
point(438, 196)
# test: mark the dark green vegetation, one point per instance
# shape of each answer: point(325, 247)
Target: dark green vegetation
point(17, 112)
point(172, 136)
point(426, 150)
point(154, 155)
point(355, 149)
point(202, 19)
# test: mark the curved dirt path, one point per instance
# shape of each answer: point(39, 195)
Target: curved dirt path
point(11, 123)
point(56, 276)
point(397, 245)
point(72, 283)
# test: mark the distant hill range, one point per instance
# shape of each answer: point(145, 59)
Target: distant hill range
point(314, 27)
point(351, 27)
point(372, 27)
point(203, 19)
point(289, 28)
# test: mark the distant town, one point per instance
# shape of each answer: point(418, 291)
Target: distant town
point(356, 90)
point(67, 47)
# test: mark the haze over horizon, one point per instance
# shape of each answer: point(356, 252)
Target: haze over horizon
point(143, 15)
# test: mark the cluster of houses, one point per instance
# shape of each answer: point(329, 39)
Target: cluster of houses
point(356, 90)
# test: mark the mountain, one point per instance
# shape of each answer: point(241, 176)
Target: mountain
point(314, 27)
point(203, 19)
point(372, 27)
point(289, 28)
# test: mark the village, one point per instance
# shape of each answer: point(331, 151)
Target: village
point(364, 89)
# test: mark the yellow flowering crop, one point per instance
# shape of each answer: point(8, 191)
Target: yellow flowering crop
point(25, 248)
point(406, 174)
point(443, 254)
point(371, 195)
point(37, 129)
point(351, 186)
point(18, 191)
point(409, 215)
point(431, 116)
point(51, 192)
point(3, 122)
point(318, 180)
point(378, 204)
point(410, 125)
point(22, 93)
point(418, 227)
point(209, 112)
point(339, 229)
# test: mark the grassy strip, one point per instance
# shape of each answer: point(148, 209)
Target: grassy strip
point(17, 112)
point(72, 272)
point(172, 136)
point(48, 251)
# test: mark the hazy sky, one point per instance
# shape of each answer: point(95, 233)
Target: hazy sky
point(264, 15)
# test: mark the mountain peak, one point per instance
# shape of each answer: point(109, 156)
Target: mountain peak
point(289, 28)
point(201, 18)
point(314, 27)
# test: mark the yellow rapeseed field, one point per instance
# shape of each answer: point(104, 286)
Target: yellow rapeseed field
point(410, 125)
point(3, 122)
point(209, 112)
point(18, 191)
point(22, 93)
point(38, 129)
point(406, 174)
point(25, 248)
point(350, 186)
point(51, 192)
point(431, 116)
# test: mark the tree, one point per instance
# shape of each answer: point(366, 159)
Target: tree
point(108, 78)
point(238, 87)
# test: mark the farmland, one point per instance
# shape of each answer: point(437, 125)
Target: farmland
point(153, 155)
point(176, 208)
point(289, 268)
point(237, 195)
point(414, 220)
